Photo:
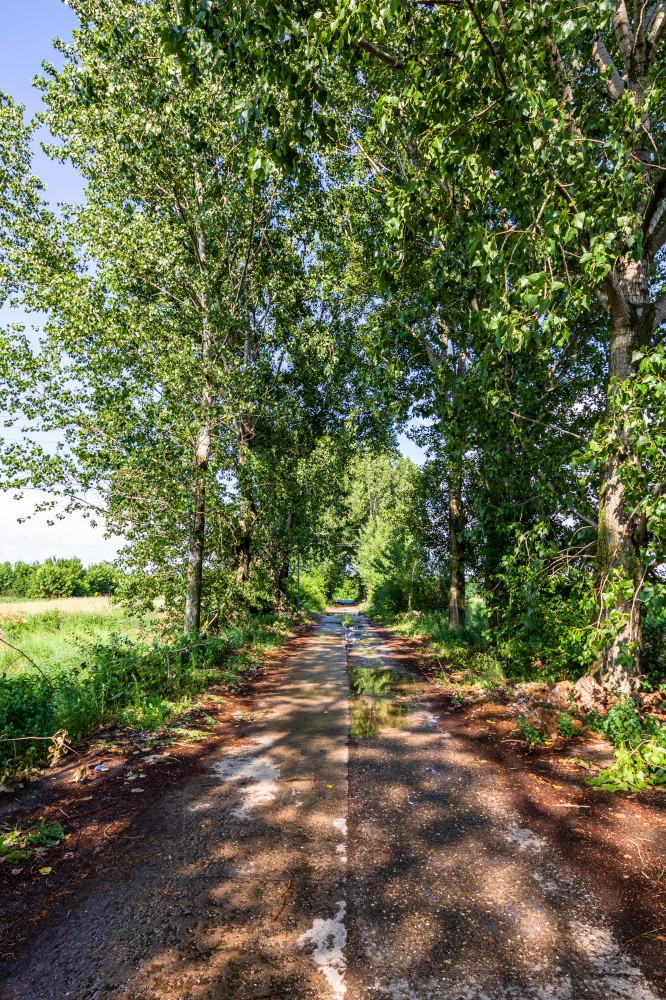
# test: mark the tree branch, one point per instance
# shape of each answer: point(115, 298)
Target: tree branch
point(652, 215)
point(659, 312)
point(378, 53)
point(489, 43)
point(656, 30)
point(655, 242)
point(550, 427)
point(614, 82)
point(623, 32)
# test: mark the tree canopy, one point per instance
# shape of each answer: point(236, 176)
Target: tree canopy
point(305, 228)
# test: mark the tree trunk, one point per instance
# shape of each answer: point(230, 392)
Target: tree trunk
point(192, 617)
point(244, 556)
point(621, 533)
point(192, 623)
point(456, 561)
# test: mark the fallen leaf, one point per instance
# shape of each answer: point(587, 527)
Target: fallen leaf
point(45, 871)
point(136, 791)
point(558, 786)
point(16, 871)
point(329, 786)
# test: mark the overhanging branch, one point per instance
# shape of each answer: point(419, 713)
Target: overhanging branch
point(614, 82)
point(659, 312)
point(380, 54)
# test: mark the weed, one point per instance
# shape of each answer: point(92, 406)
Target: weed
point(124, 682)
point(566, 726)
point(533, 736)
point(640, 749)
point(18, 844)
point(457, 696)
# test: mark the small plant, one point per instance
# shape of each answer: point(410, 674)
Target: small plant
point(457, 697)
point(566, 726)
point(640, 749)
point(18, 844)
point(533, 736)
point(635, 768)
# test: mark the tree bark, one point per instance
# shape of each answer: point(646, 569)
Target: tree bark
point(457, 521)
point(244, 435)
point(193, 596)
point(192, 622)
point(192, 618)
point(621, 534)
point(456, 554)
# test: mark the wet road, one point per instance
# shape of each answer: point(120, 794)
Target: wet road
point(303, 865)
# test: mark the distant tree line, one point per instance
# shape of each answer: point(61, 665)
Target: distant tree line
point(57, 578)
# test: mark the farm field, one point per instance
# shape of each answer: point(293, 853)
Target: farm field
point(58, 634)
point(9, 607)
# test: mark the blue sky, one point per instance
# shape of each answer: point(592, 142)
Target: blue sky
point(25, 42)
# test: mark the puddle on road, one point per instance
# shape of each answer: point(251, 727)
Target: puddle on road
point(380, 699)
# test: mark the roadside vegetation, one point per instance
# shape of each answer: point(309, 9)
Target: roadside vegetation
point(302, 234)
point(77, 674)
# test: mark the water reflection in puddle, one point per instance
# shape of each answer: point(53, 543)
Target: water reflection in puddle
point(380, 699)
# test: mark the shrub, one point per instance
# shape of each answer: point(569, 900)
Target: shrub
point(640, 749)
point(59, 578)
point(121, 681)
point(565, 725)
point(654, 650)
point(530, 733)
point(313, 596)
point(102, 578)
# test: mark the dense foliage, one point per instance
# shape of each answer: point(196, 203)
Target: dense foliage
point(58, 578)
point(305, 229)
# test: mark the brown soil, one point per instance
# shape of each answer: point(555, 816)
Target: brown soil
point(102, 814)
point(619, 837)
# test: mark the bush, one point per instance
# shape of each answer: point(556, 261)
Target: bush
point(349, 590)
point(59, 578)
point(6, 578)
point(313, 595)
point(640, 749)
point(533, 736)
point(566, 726)
point(654, 651)
point(123, 682)
point(102, 578)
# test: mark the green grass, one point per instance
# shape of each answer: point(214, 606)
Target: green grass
point(93, 670)
point(462, 652)
point(57, 639)
point(18, 844)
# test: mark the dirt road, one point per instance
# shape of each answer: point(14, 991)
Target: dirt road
point(301, 864)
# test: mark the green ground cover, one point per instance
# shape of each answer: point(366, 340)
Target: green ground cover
point(80, 671)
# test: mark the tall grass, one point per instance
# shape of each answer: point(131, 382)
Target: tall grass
point(88, 673)
point(462, 651)
point(57, 640)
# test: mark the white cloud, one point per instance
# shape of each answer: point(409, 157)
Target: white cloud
point(35, 540)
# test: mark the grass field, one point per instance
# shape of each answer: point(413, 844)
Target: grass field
point(60, 634)
point(10, 608)
point(80, 664)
